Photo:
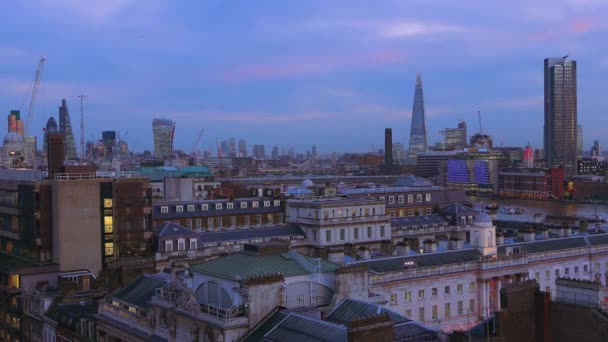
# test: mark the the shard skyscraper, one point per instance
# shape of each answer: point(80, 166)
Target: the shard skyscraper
point(65, 127)
point(418, 138)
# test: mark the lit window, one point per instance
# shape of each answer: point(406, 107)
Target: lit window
point(410, 198)
point(164, 210)
point(204, 206)
point(243, 205)
point(190, 207)
point(428, 197)
point(218, 206)
point(229, 205)
point(107, 203)
point(108, 227)
point(109, 248)
point(179, 208)
point(270, 219)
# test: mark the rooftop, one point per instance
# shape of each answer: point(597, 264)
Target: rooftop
point(349, 310)
point(139, 292)
point(245, 264)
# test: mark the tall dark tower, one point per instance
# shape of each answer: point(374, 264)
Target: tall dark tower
point(560, 131)
point(51, 127)
point(55, 153)
point(65, 127)
point(388, 147)
point(418, 138)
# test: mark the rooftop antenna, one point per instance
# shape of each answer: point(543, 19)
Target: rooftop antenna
point(479, 119)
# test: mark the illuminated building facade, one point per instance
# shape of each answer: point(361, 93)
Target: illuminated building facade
point(163, 131)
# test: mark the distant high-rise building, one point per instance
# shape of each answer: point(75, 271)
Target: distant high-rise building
point(560, 131)
point(163, 131)
point(109, 140)
point(65, 127)
point(224, 148)
point(232, 147)
point(456, 138)
point(242, 148)
point(528, 157)
point(596, 150)
point(388, 146)
point(15, 124)
point(480, 140)
point(275, 152)
point(55, 152)
point(290, 152)
point(418, 138)
point(398, 153)
point(313, 156)
point(579, 141)
point(258, 152)
point(51, 127)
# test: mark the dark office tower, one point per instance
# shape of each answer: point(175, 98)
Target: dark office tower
point(388, 146)
point(232, 147)
point(65, 127)
point(51, 127)
point(275, 153)
point(109, 140)
point(456, 138)
point(163, 131)
point(579, 141)
point(560, 114)
point(55, 153)
point(418, 139)
point(242, 148)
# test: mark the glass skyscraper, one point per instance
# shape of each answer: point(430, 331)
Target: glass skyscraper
point(560, 131)
point(163, 131)
point(418, 138)
point(65, 127)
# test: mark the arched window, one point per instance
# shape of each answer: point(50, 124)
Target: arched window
point(212, 293)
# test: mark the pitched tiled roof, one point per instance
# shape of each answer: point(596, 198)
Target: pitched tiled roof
point(257, 334)
point(350, 309)
point(297, 328)
point(252, 233)
point(547, 245)
point(245, 265)
point(168, 229)
point(456, 209)
point(140, 291)
point(417, 220)
point(423, 260)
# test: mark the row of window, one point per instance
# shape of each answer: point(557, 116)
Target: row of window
point(410, 198)
point(410, 212)
point(218, 222)
point(407, 295)
point(424, 226)
point(181, 245)
point(219, 206)
point(575, 269)
point(447, 310)
point(342, 232)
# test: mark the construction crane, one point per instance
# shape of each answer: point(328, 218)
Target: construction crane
point(197, 141)
point(34, 95)
point(82, 155)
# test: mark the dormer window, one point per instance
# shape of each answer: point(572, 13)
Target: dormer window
point(229, 205)
point(179, 208)
point(218, 206)
point(255, 204)
point(164, 210)
point(266, 204)
point(243, 205)
point(190, 207)
point(205, 207)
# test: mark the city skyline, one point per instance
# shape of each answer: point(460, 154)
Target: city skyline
point(181, 62)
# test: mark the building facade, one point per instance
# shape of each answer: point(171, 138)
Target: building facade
point(418, 132)
point(456, 138)
point(163, 131)
point(560, 131)
point(65, 127)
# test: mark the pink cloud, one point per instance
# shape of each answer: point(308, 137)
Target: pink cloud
point(309, 66)
point(579, 26)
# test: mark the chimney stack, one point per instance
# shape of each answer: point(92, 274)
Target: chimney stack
point(388, 147)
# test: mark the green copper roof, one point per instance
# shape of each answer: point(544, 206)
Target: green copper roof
point(245, 265)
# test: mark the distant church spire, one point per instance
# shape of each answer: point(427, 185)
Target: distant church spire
point(418, 137)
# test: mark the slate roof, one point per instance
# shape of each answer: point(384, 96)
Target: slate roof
point(417, 220)
point(252, 233)
point(258, 333)
point(297, 328)
point(69, 315)
point(169, 229)
point(244, 265)
point(140, 291)
point(423, 260)
point(413, 331)
point(553, 244)
point(598, 239)
point(350, 309)
point(172, 213)
point(456, 209)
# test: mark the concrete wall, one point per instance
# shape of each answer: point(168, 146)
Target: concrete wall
point(77, 225)
point(576, 323)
